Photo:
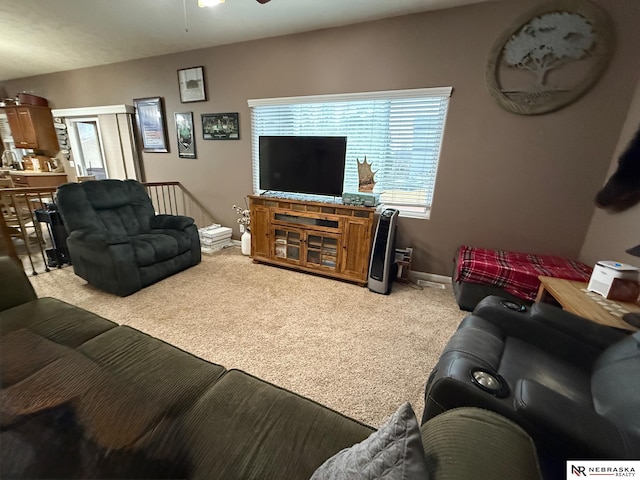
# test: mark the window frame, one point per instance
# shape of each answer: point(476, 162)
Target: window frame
point(406, 210)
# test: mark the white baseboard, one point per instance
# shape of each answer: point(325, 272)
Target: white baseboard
point(413, 275)
point(430, 277)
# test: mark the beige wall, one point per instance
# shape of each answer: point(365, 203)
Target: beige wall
point(610, 234)
point(504, 181)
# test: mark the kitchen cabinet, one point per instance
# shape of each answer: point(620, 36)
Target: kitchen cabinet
point(32, 127)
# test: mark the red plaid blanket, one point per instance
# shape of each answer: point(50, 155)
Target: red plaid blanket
point(515, 272)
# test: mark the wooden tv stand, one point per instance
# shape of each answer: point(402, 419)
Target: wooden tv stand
point(324, 238)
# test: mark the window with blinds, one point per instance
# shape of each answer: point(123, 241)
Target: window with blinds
point(398, 132)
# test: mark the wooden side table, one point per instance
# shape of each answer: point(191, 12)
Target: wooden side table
point(574, 297)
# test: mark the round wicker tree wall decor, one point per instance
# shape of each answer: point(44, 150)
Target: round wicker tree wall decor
point(549, 57)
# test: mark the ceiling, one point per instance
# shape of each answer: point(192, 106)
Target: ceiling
point(45, 36)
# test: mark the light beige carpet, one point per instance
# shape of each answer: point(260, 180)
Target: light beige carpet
point(358, 352)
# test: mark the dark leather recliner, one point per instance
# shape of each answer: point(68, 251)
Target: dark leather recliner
point(572, 384)
point(116, 241)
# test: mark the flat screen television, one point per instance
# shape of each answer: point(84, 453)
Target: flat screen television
point(313, 165)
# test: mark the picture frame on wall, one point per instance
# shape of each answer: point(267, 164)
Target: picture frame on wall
point(220, 126)
point(185, 135)
point(151, 124)
point(192, 85)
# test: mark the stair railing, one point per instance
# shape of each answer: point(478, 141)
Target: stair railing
point(23, 237)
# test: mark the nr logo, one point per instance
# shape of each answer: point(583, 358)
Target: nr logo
point(578, 471)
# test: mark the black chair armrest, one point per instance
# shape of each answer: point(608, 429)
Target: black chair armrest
point(577, 327)
point(15, 288)
point(171, 222)
point(578, 429)
point(551, 329)
point(98, 239)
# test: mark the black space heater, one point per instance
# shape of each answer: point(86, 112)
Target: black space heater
point(382, 267)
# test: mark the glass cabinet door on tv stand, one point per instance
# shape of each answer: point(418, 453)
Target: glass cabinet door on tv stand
point(287, 244)
point(311, 249)
point(322, 250)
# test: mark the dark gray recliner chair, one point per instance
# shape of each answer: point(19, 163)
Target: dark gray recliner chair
point(116, 241)
point(572, 384)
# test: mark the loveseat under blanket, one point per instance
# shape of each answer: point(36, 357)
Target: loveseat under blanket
point(84, 397)
point(480, 272)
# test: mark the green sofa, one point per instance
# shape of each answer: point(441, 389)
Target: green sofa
point(84, 397)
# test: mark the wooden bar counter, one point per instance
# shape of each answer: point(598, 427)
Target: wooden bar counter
point(29, 178)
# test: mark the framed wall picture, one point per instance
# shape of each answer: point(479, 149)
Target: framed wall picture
point(151, 124)
point(185, 135)
point(191, 82)
point(220, 126)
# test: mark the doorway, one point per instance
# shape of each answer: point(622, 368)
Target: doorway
point(87, 147)
point(100, 142)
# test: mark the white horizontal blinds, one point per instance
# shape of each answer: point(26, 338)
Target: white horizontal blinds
point(399, 132)
point(416, 127)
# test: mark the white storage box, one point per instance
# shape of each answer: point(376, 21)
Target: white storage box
point(215, 232)
point(214, 238)
point(615, 281)
point(207, 242)
point(205, 250)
